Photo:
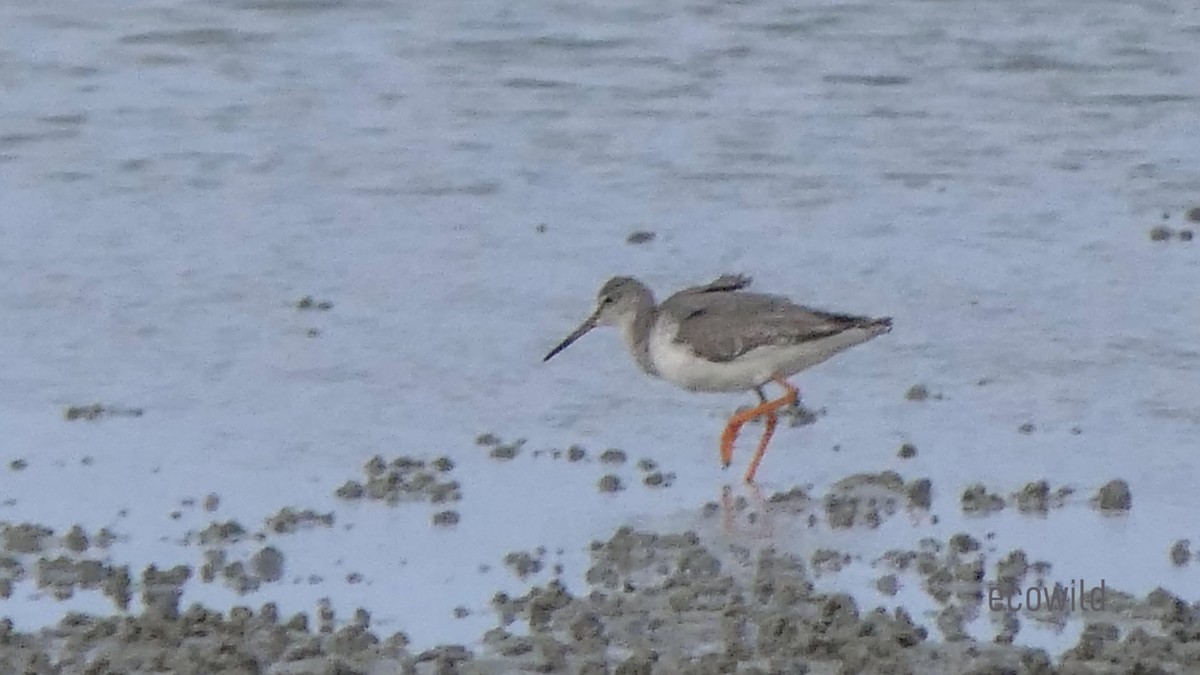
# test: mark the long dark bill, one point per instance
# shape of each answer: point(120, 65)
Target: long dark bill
point(588, 324)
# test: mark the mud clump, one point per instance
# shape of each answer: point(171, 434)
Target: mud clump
point(652, 476)
point(26, 538)
point(214, 563)
point(868, 498)
point(963, 543)
point(446, 518)
point(226, 532)
point(404, 479)
point(640, 237)
point(308, 302)
point(828, 560)
point(239, 577)
point(1037, 497)
point(920, 494)
point(1161, 233)
point(212, 502)
point(888, 584)
point(290, 520)
point(951, 622)
point(118, 587)
point(609, 483)
point(351, 490)
point(1114, 496)
point(612, 456)
point(977, 500)
point(907, 451)
point(506, 452)
point(96, 411)
point(657, 479)
point(796, 499)
point(917, 392)
point(497, 448)
point(525, 563)
point(268, 564)
point(162, 589)
point(61, 576)
point(1181, 553)
point(76, 540)
point(1101, 641)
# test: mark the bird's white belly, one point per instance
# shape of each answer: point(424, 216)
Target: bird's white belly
point(678, 364)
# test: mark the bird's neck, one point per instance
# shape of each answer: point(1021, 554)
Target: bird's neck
point(635, 330)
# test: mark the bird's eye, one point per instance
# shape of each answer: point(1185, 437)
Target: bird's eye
point(606, 300)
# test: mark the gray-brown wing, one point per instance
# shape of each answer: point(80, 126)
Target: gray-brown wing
point(723, 326)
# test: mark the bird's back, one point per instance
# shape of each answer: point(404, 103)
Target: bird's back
point(721, 322)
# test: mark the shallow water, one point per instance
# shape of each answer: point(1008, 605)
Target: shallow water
point(176, 175)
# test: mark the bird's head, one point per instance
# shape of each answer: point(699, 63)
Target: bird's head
point(617, 301)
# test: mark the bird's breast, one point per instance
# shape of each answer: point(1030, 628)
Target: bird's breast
point(679, 364)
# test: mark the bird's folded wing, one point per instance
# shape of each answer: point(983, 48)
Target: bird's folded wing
point(722, 327)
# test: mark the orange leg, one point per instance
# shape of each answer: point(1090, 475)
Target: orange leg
point(769, 431)
point(766, 408)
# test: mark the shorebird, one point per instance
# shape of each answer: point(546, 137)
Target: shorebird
point(720, 338)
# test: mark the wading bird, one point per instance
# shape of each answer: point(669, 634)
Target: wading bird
point(719, 337)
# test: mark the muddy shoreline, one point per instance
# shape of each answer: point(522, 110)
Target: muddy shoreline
point(653, 601)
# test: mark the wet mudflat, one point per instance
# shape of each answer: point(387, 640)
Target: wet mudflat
point(742, 591)
point(279, 275)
